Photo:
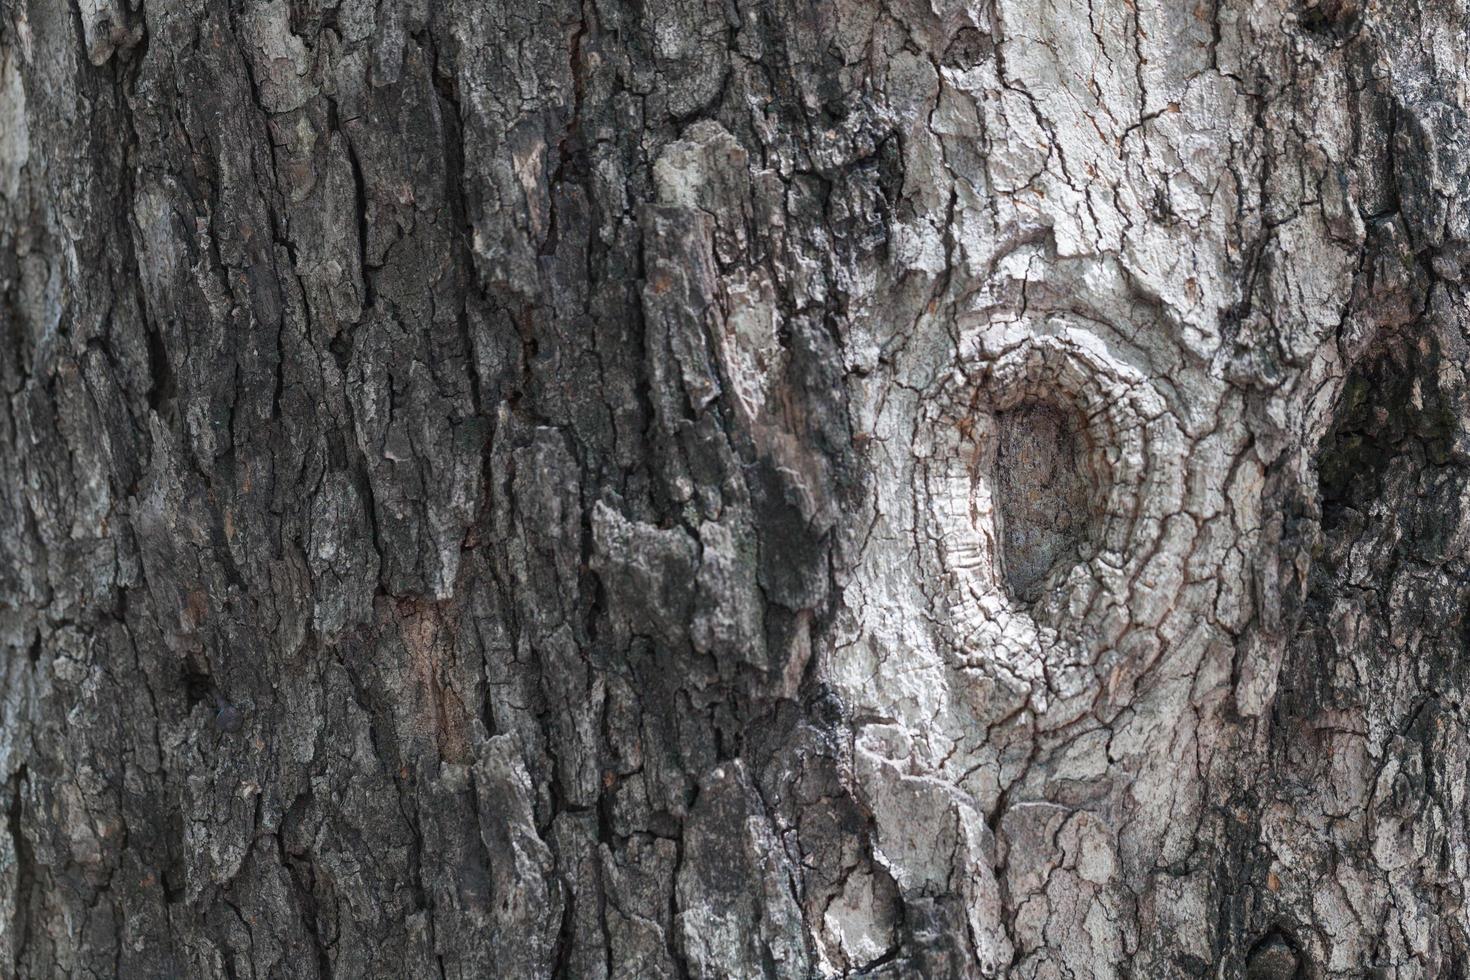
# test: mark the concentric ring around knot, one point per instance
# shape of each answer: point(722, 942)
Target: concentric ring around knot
point(1046, 468)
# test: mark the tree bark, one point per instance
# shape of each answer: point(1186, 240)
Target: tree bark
point(596, 488)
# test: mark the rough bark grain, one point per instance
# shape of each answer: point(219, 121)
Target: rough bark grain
point(757, 488)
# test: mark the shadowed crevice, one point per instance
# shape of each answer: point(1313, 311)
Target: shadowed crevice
point(1043, 495)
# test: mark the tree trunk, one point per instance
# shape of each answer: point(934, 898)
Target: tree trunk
point(600, 488)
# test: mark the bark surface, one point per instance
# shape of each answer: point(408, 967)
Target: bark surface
point(757, 488)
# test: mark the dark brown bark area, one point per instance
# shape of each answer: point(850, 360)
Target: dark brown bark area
point(331, 332)
point(411, 566)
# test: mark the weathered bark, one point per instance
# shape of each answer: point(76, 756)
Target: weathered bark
point(593, 488)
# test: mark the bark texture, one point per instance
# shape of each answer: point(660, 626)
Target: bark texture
point(734, 488)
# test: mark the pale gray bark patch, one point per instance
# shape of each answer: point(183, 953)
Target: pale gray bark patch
point(602, 489)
